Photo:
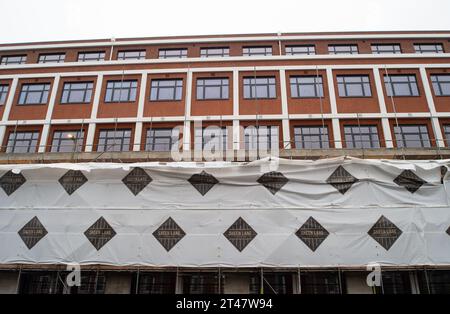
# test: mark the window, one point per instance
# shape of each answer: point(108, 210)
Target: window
point(306, 86)
point(441, 84)
point(326, 282)
point(161, 140)
point(22, 142)
point(261, 138)
point(396, 282)
point(131, 55)
point(342, 49)
point(386, 48)
point(447, 134)
point(37, 282)
point(202, 283)
point(3, 93)
point(274, 283)
point(6, 60)
point(77, 93)
point(401, 85)
point(91, 283)
point(434, 281)
point(259, 88)
point(52, 58)
point(412, 136)
point(91, 56)
point(428, 48)
point(364, 136)
point(121, 91)
point(166, 89)
point(354, 86)
point(67, 141)
point(211, 137)
point(34, 94)
point(257, 51)
point(156, 283)
point(114, 140)
point(311, 137)
point(172, 53)
point(216, 88)
point(300, 50)
point(215, 52)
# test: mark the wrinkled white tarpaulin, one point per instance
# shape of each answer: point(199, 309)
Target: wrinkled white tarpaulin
point(339, 222)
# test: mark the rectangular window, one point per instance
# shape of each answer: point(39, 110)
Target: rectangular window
point(326, 282)
point(441, 84)
point(121, 91)
point(77, 92)
point(91, 56)
point(259, 88)
point(52, 58)
point(261, 138)
point(401, 85)
point(300, 50)
point(396, 282)
point(434, 281)
point(428, 48)
point(114, 140)
point(172, 53)
point(67, 141)
point(364, 136)
point(166, 90)
point(311, 137)
point(3, 93)
point(22, 142)
point(342, 49)
point(273, 283)
point(257, 51)
point(202, 283)
point(211, 137)
point(156, 283)
point(386, 48)
point(306, 86)
point(161, 140)
point(34, 94)
point(40, 282)
point(131, 55)
point(354, 86)
point(412, 136)
point(6, 60)
point(214, 52)
point(212, 88)
point(447, 134)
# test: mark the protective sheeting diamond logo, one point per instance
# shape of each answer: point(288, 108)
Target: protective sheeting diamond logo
point(10, 182)
point(448, 231)
point(385, 232)
point(240, 234)
point(72, 181)
point(273, 181)
point(312, 233)
point(444, 171)
point(137, 180)
point(203, 182)
point(169, 234)
point(32, 232)
point(341, 179)
point(100, 233)
point(409, 180)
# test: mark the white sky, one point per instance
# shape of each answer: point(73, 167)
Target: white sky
point(40, 20)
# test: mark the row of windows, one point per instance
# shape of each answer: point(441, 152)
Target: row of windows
point(224, 52)
point(218, 88)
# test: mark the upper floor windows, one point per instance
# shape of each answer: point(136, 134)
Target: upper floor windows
point(22, 142)
point(91, 56)
point(361, 136)
point(300, 50)
point(386, 48)
point(121, 91)
point(412, 136)
point(401, 85)
point(428, 48)
point(52, 57)
point(131, 55)
point(114, 140)
point(76, 92)
point(161, 140)
point(342, 49)
point(259, 87)
point(306, 86)
point(214, 52)
point(167, 89)
point(34, 94)
point(3, 93)
point(257, 51)
point(311, 137)
point(172, 53)
point(19, 59)
point(67, 141)
point(354, 86)
point(441, 84)
point(212, 88)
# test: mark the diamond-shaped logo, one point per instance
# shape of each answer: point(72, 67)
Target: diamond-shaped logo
point(444, 171)
point(72, 180)
point(32, 232)
point(385, 232)
point(137, 180)
point(273, 181)
point(409, 180)
point(10, 182)
point(203, 182)
point(169, 234)
point(312, 233)
point(240, 234)
point(448, 231)
point(341, 179)
point(100, 233)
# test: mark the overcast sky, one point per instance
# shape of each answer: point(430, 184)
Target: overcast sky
point(39, 20)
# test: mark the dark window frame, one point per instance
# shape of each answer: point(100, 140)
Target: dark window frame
point(31, 147)
point(140, 54)
point(224, 88)
point(353, 49)
point(296, 84)
point(402, 142)
point(87, 56)
point(390, 85)
point(205, 52)
point(4, 91)
point(5, 59)
point(437, 84)
point(354, 132)
point(289, 50)
point(60, 57)
point(112, 89)
point(343, 85)
point(302, 139)
point(268, 137)
point(177, 89)
point(199, 133)
point(25, 90)
point(395, 49)
point(425, 48)
point(182, 53)
point(67, 90)
point(104, 145)
point(60, 137)
point(252, 84)
point(250, 51)
point(151, 139)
